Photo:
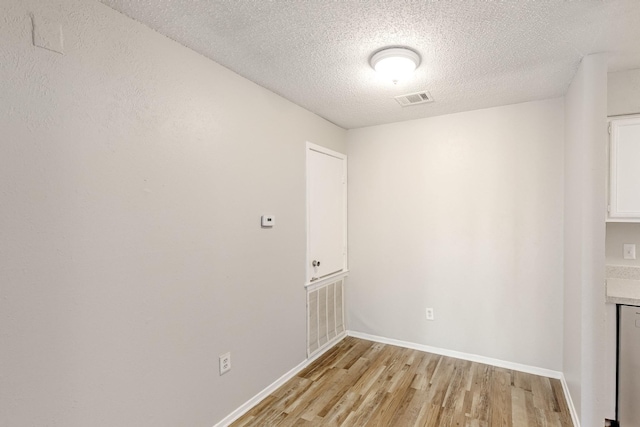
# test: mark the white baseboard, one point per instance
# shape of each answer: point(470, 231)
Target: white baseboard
point(572, 408)
point(244, 408)
point(460, 355)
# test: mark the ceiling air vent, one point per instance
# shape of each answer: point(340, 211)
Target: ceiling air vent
point(414, 98)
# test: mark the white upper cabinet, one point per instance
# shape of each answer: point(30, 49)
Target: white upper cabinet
point(624, 170)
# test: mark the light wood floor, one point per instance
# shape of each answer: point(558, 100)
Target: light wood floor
point(361, 383)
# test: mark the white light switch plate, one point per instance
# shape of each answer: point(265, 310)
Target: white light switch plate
point(629, 251)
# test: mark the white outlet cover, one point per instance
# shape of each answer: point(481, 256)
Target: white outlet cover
point(629, 251)
point(225, 363)
point(268, 221)
point(429, 313)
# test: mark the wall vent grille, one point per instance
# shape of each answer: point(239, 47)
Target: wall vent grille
point(325, 316)
point(414, 98)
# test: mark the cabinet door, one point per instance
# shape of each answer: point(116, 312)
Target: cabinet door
point(624, 177)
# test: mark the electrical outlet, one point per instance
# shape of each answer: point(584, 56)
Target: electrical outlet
point(629, 251)
point(430, 314)
point(225, 363)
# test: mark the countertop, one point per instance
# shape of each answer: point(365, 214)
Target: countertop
point(623, 285)
point(623, 291)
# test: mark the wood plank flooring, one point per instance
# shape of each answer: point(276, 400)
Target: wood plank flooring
point(362, 383)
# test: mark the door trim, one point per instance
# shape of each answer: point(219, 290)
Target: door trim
point(329, 279)
point(320, 149)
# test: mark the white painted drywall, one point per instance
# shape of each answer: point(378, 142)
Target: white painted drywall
point(133, 173)
point(619, 233)
point(573, 171)
point(584, 243)
point(462, 213)
point(623, 92)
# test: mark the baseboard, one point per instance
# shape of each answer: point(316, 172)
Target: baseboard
point(460, 355)
point(245, 407)
point(327, 346)
point(572, 408)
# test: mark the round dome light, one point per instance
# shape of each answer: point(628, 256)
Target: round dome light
point(395, 63)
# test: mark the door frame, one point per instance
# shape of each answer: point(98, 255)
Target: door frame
point(323, 150)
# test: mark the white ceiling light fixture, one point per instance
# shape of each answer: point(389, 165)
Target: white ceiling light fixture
point(395, 63)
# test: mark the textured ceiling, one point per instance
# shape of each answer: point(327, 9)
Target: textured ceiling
point(475, 54)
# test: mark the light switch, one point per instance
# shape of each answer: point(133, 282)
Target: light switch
point(629, 251)
point(268, 220)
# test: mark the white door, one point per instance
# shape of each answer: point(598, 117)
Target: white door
point(326, 195)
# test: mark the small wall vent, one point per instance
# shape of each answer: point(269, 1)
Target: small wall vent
point(414, 98)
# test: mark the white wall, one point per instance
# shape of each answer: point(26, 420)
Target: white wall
point(623, 97)
point(619, 233)
point(133, 173)
point(462, 213)
point(584, 245)
point(623, 92)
